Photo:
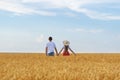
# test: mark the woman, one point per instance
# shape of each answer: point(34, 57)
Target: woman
point(66, 48)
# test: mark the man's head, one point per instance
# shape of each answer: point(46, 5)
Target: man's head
point(50, 38)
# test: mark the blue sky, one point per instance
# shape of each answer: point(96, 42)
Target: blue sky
point(89, 25)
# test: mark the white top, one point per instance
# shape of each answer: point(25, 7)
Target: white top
point(51, 46)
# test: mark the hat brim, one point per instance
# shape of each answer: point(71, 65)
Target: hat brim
point(66, 43)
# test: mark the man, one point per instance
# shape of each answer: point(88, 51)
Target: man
point(50, 47)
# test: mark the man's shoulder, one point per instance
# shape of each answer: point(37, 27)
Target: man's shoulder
point(53, 42)
point(50, 43)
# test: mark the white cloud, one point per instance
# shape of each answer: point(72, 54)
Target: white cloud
point(50, 7)
point(70, 14)
point(17, 40)
point(19, 8)
point(118, 37)
point(88, 30)
point(97, 15)
point(40, 39)
point(96, 31)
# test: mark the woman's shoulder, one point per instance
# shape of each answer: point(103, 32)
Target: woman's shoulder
point(66, 46)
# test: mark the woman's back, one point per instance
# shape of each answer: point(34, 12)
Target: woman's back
point(66, 48)
point(66, 52)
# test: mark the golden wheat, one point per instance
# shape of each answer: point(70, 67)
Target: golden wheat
point(41, 67)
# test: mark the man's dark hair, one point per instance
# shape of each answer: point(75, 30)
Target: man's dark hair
point(50, 38)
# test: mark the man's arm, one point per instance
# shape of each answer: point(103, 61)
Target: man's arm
point(46, 50)
point(56, 51)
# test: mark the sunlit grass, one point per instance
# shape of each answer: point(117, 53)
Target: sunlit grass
point(40, 67)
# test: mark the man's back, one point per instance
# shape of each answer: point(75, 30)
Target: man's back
point(51, 46)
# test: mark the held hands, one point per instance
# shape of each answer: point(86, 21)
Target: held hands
point(57, 54)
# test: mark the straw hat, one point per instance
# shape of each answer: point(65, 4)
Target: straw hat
point(66, 43)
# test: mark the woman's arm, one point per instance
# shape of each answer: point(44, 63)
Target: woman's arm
point(72, 51)
point(60, 51)
point(56, 51)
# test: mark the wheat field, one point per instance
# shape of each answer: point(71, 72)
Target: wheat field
point(36, 66)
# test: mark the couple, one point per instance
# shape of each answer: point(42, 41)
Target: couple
point(50, 47)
